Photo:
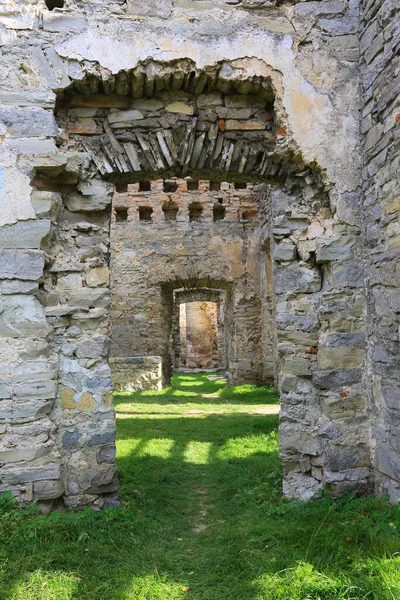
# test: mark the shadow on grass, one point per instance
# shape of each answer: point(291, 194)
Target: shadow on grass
point(202, 519)
point(187, 389)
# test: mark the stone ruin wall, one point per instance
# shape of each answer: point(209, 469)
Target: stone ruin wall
point(329, 226)
point(380, 127)
point(200, 244)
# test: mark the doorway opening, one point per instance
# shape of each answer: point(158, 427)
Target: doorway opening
point(198, 335)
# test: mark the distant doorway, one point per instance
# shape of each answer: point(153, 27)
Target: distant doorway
point(198, 335)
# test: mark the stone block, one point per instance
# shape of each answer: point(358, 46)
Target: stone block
point(343, 407)
point(46, 204)
point(24, 234)
point(23, 316)
point(28, 123)
point(150, 8)
point(334, 379)
point(76, 202)
point(243, 101)
point(338, 248)
point(95, 347)
point(244, 125)
point(341, 458)
point(297, 322)
point(89, 297)
point(387, 461)
point(21, 264)
point(98, 276)
point(297, 366)
point(86, 403)
point(328, 7)
point(179, 107)
point(71, 281)
point(301, 486)
point(67, 398)
point(28, 473)
point(84, 126)
point(349, 340)
point(31, 146)
point(340, 358)
point(348, 274)
point(4, 392)
point(298, 338)
point(107, 437)
point(15, 286)
point(295, 441)
point(106, 454)
point(12, 410)
point(63, 22)
point(15, 455)
point(296, 278)
point(47, 490)
point(104, 480)
point(27, 98)
point(148, 104)
point(71, 440)
point(36, 390)
point(125, 116)
point(284, 252)
point(205, 101)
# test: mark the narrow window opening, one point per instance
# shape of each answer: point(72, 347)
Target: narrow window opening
point(218, 212)
point(170, 210)
point(195, 211)
point(170, 187)
point(122, 188)
point(144, 186)
point(215, 186)
point(145, 213)
point(52, 4)
point(193, 186)
point(121, 214)
point(240, 186)
point(220, 200)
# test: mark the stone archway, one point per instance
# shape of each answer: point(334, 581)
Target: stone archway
point(318, 305)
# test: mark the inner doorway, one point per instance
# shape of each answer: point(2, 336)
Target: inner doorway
point(198, 336)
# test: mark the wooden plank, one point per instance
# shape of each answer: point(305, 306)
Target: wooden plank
point(164, 148)
point(132, 155)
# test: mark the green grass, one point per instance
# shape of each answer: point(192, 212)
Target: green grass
point(202, 518)
point(196, 392)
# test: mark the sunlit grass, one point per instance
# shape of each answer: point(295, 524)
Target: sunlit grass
point(202, 518)
point(204, 395)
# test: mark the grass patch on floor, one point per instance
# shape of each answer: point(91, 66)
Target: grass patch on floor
point(202, 518)
point(195, 392)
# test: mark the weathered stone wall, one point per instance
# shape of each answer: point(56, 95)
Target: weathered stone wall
point(136, 373)
point(333, 265)
point(150, 251)
point(380, 62)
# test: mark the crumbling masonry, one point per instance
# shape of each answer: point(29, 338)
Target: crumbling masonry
point(244, 154)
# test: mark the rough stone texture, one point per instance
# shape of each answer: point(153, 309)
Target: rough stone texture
point(135, 373)
point(256, 91)
point(380, 62)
